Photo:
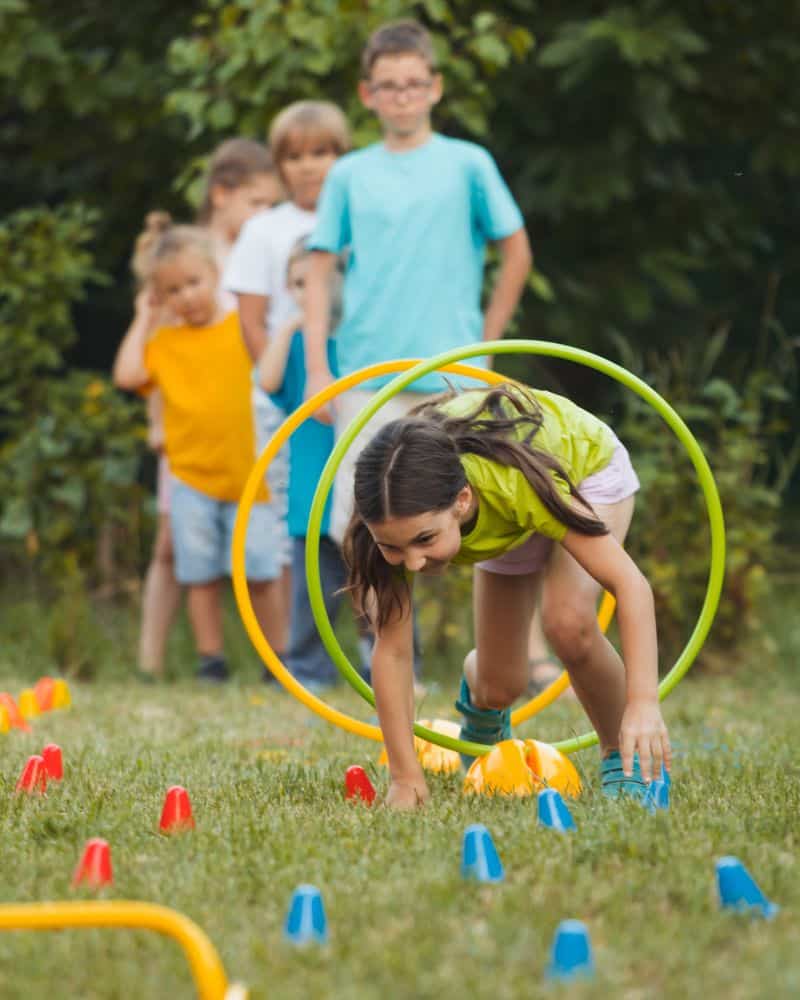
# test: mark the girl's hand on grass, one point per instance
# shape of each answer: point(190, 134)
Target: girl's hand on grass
point(407, 795)
point(643, 729)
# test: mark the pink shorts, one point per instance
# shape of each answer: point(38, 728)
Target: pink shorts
point(163, 486)
point(616, 482)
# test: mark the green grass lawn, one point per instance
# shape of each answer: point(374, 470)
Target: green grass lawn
point(265, 778)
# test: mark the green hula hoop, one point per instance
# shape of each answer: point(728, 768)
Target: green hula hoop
point(539, 347)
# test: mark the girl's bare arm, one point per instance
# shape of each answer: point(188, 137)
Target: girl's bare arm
point(129, 370)
point(393, 682)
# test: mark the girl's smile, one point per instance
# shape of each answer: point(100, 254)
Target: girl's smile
point(428, 542)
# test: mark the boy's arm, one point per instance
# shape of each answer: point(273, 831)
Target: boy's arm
point(253, 310)
point(272, 364)
point(516, 259)
point(129, 371)
point(317, 322)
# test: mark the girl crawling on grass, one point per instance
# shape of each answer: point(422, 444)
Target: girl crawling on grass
point(494, 479)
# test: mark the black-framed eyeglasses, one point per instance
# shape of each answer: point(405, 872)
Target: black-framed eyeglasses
point(388, 88)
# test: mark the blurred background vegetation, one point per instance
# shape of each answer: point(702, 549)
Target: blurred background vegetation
point(654, 148)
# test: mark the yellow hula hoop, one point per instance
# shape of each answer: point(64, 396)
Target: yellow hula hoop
point(242, 594)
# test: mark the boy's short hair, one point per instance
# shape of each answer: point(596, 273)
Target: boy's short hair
point(395, 39)
point(312, 120)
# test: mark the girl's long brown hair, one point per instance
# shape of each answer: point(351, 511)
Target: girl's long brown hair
point(412, 466)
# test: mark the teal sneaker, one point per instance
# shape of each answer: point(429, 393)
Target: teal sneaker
point(613, 782)
point(481, 725)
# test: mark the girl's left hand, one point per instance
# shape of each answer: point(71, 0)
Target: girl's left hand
point(643, 729)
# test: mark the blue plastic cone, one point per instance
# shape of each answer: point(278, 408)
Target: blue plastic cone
point(479, 858)
point(665, 776)
point(658, 795)
point(738, 890)
point(306, 921)
point(571, 955)
point(553, 811)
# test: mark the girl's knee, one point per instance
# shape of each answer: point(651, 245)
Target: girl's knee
point(571, 631)
point(488, 690)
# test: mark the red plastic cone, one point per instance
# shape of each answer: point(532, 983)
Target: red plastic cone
point(94, 867)
point(43, 689)
point(15, 719)
point(176, 814)
point(33, 777)
point(53, 761)
point(358, 785)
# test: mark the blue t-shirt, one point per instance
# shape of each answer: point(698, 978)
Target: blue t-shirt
point(416, 224)
point(311, 443)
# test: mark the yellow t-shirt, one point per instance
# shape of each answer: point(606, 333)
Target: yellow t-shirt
point(509, 510)
point(204, 374)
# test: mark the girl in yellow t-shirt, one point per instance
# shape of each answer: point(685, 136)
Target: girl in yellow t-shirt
point(536, 494)
point(201, 367)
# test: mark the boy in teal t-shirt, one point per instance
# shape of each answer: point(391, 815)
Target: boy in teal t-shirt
point(416, 212)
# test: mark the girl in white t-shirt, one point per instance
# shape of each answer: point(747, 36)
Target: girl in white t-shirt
point(305, 140)
point(241, 180)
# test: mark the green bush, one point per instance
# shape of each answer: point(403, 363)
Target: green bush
point(745, 430)
point(70, 505)
point(45, 266)
point(70, 480)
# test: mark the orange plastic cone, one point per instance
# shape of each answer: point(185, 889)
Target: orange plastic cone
point(28, 704)
point(94, 867)
point(176, 815)
point(61, 695)
point(15, 719)
point(53, 762)
point(34, 776)
point(43, 689)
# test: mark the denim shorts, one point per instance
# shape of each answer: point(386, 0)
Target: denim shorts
point(202, 532)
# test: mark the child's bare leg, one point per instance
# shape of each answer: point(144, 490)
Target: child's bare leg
point(569, 609)
point(497, 669)
point(270, 610)
point(205, 614)
point(161, 598)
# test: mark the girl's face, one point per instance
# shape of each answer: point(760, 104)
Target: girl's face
point(232, 207)
point(296, 281)
point(304, 168)
point(427, 542)
point(402, 92)
point(186, 285)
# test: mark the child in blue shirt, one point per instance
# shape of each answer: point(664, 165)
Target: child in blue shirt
point(282, 373)
point(416, 212)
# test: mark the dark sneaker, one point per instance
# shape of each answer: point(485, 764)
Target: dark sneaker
point(213, 669)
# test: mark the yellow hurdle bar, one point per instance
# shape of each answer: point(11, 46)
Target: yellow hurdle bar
point(207, 969)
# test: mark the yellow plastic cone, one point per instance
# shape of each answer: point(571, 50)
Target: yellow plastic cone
point(502, 771)
point(61, 695)
point(522, 767)
point(432, 757)
point(28, 704)
point(5, 724)
point(552, 768)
